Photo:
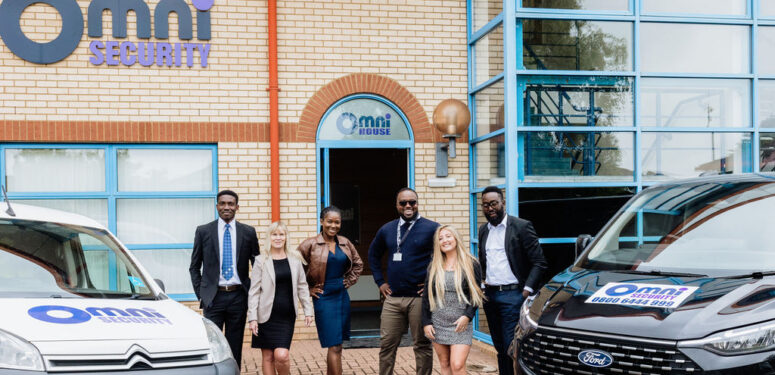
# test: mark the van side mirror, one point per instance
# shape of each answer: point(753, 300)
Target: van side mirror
point(161, 285)
point(582, 241)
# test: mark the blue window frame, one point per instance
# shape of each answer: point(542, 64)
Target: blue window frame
point(135, 180)
point(405, 142)
point(576, 124)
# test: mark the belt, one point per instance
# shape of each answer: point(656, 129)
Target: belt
point(501, 288)
point(229, 288)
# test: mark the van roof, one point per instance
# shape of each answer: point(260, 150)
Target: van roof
point(34, 213)
point(724, 178)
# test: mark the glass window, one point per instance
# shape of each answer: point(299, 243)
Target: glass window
point(577, 45)
point(362, 119)
point(166, 265)
point(578, 4)
point(766, 39)
point(766, 8)
point(692, 48)
point(165, 170)
point(719, 7)
point(767, 152)
point(43, 259)
point(480, 220)
point(558, 257)
point(601, 101)
point(488, 55)
point(55, 170)
point(96, 209)
point(693, 233)
point(150, 221)
point(767, 104)
point(682, 155)
point(578, 156)
point(708, 103)
point(149, 212)
point(554, 211)
point(491, 162)
point(482, 11)
point(489, 109)
point(482, 326)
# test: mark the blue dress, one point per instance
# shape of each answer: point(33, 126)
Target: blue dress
point(332, 309)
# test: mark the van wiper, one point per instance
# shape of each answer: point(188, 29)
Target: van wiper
point(141, 297)
point(752, 275)
point(661, 273)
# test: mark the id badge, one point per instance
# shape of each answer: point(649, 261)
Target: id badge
point(396, 257)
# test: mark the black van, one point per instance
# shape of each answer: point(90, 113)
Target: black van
point(680, 281)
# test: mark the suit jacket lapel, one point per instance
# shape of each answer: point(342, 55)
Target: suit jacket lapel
point(269, 267)
point(214, 238)
point(509, 233)
point(237, 243)
point(483, 248)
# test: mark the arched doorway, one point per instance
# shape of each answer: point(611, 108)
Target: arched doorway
point(365, 153)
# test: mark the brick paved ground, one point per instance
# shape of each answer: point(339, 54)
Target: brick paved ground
point(307, 357)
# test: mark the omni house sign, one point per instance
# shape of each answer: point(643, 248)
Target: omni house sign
point(128, 53)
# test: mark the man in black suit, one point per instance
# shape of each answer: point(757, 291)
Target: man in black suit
point(512, 261)
point(219, 269)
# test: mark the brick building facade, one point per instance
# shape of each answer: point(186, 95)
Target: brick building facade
point(408, 53)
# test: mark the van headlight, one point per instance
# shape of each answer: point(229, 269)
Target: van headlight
point(745, 340)
point(526, 324)
point(219, 347)
point(18, 354)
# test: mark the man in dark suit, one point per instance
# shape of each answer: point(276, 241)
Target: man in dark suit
point(512, 262)
point(219, 269)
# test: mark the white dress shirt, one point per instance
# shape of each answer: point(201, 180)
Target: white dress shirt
point(233, 231)
point(498, 269)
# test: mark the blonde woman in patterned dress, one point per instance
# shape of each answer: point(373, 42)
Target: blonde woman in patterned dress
point(450, 300)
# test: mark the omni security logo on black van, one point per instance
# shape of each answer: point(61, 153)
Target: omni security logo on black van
point(637, 294)
point(70, 315)
point(112, 52)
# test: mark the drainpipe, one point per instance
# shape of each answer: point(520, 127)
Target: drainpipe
point(274, 116)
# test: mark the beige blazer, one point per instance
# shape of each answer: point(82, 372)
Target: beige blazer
point(262, 288)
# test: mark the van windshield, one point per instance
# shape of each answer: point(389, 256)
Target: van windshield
point(716, 229)
point(42, 259)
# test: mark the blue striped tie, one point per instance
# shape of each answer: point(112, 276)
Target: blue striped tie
point(226, 267)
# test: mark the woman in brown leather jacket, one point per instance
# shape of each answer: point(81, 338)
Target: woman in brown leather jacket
point(333, 265)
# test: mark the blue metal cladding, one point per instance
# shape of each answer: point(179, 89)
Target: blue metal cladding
point(111, 192)
point(516, 76)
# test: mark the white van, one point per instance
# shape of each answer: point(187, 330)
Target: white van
point(74, 300)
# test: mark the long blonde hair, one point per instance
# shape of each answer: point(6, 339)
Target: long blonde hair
point(464, 268)
point(288, 250)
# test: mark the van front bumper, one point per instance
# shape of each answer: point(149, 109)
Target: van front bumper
point(554, 351)
point(227, 367)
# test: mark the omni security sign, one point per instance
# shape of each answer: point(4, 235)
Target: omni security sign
point(112, 52)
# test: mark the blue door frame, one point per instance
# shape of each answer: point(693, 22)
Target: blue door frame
point(324, 146)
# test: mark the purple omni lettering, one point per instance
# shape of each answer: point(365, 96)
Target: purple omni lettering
point(620, 290)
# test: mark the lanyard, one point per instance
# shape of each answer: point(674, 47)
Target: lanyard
point(399, 239)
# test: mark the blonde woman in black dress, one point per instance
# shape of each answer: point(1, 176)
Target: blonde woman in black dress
point(278, 283)
point(451, 298)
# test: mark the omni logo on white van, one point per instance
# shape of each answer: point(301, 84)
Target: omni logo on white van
point(70, 315)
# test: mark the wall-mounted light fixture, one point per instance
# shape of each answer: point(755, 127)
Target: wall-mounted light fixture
point(451, 117)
